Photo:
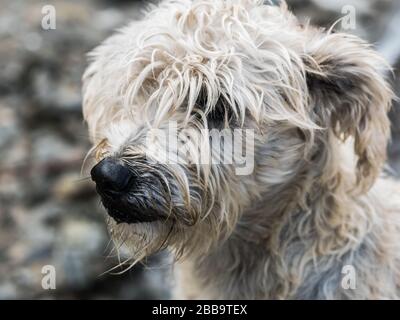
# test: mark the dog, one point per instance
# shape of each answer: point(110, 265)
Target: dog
point(317, 216)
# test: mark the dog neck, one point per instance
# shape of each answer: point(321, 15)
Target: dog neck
point(305, 220)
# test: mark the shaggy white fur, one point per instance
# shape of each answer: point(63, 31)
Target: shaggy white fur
point(317, 199)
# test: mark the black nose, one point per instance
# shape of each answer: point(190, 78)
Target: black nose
point(111, 175)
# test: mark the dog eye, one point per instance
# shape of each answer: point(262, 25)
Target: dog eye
point(219, 115)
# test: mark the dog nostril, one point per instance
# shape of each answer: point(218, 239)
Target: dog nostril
point(111, 175)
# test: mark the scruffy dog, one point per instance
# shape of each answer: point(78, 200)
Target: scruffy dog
point(316, 201)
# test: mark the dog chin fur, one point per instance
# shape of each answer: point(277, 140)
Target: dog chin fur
point(318, 198)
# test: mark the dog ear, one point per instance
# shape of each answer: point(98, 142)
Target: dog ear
point(350, 96)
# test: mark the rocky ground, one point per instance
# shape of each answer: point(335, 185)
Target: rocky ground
point(49, 213)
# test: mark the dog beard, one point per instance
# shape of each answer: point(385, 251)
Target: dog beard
point(156, 210)
point(141, 239)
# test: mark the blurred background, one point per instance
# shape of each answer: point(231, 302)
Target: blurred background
point(49, 213)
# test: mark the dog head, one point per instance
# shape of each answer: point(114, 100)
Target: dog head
point(284, 95)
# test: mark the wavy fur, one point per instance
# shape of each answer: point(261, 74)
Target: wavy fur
point(318, 198)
